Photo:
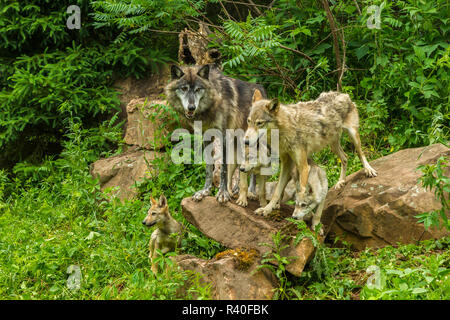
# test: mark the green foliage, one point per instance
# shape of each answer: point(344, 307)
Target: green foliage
point(50, 72)
point(406, 272)
point(65, 220)
point(434, 178)
point(275, 261)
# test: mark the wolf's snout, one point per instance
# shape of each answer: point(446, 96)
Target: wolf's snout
point(191, 108)
point(143, 222)
point(242, 169)
point(247, 142)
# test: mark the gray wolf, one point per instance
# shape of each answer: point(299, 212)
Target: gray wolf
point(305, 128)
point(204, 93)
point(167, 236)
point(317, 187)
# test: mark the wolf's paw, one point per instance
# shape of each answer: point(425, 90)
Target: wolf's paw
point(339, 184)
point(277, 206)
point(370, 172)
point(263, 211)
point(252, 196)
point(199, 195)
point(242, 201)
point(223, 196)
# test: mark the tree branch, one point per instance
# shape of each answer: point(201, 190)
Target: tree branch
point(335, 35)
point(299, 52)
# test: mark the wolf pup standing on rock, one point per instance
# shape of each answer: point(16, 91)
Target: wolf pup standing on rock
point(167, 236)
point(305, 128)
point(317, 187)
point(203, 93)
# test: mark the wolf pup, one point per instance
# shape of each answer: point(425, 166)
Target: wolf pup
point(162, 238)
point(317, 188)
point(203, 93)
point(304, 128)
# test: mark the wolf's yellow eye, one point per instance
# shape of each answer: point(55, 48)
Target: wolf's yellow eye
point(184, 89)
point(259, 123)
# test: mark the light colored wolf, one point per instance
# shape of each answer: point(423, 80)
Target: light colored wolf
point(305, 128)
point(204, 93)
point(167, 236)
point(317, 187)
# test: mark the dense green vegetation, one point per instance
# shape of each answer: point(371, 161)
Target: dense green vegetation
point(59, 113)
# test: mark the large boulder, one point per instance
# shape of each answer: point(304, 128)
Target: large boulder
point(228, 280)
point(237, 227)
point(123, 170)
point(375, 212)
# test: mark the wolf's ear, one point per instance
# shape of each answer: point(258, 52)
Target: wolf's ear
point(204, 72)
point(176, 72)
point(256, 96)
point(162, 201)
point(153, 201)
point(273, 105)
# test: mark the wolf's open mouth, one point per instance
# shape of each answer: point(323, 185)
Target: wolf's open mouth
point(189, 114)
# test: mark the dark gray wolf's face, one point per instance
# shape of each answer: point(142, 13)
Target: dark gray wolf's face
point(191, 85)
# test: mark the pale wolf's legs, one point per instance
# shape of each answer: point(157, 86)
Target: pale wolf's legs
point(336, 148)
point(354, 135)
point(317, 216)
point(262, 190)
point(285, 171)
point(243, 189)
point(223, 195)
point(252, 187)
point(230, 173)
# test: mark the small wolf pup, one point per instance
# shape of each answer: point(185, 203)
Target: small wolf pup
point(162, 238)
point(305, 128)
point(204, 93)
point(317, 188)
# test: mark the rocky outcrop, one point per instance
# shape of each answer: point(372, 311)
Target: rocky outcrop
point(375, 212)
point(147, 124)
point(150, 87)
point(122, 171)
point(228, 280)
point(237, 227)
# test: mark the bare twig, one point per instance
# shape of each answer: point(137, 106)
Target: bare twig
point(226, 11)
point(164, 31)
point(299, 52)
point(255, 7)
point(357, 7)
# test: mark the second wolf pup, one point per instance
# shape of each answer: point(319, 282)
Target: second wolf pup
point(163, 237)
point(305, 128)
point(317, 188)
